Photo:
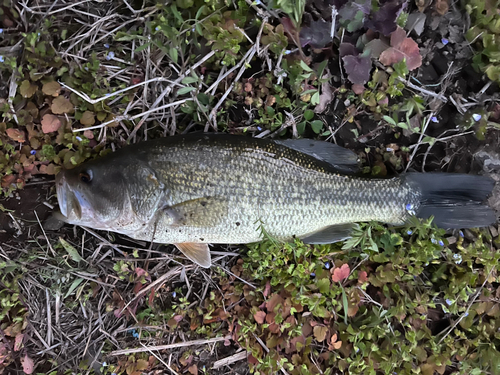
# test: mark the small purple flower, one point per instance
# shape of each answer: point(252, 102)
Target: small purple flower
point(449, 302)
point(457, 258)
point(2, 59)
point(312, 274)
point(466, 313)
point(106, 45)
point(174, 294)
point(409, 207)
point(258, 2)
point(33, 152)
point(445, 41)
point(434, 119)
point(409, 232)
point(110, 55)
point(461, 234)
point(78, 138)
point(327, 265)
point(287, 52)
point(157, 28)
point(104, 364)
point(441, 243)
point(1, 31)
point(476, 116)
point(433, 240)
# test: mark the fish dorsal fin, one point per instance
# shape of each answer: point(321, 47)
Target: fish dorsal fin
point(331, 234)
point(197, 252)
point(341, 159)
point(200, 212)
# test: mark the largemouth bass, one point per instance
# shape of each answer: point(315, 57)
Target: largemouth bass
point(196, 190)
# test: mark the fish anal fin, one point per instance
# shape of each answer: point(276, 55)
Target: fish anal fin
point(331, 234)
point(197, 252)
point(340, 159)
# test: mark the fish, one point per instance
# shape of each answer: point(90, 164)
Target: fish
point(200, 189)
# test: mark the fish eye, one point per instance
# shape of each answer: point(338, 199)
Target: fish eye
point(86, 176)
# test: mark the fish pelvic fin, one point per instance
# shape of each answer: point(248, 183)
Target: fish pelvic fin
point(199, 253)
point(454, 200)
point(331, 234)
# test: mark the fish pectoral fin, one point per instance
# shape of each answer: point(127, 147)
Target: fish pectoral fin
point(340, 159)
point(197, 252)
point(200, 212)
point(334, 233)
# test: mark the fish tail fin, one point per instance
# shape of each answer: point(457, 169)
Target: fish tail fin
point(454, 200)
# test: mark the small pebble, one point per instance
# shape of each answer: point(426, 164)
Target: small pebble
point(451, 240)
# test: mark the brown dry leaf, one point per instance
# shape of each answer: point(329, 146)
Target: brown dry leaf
point(442, 6)
point(88, 118)
point(7, 180)
point(352, 310)
point(16, 135)
point(259, 317)
point(51, 88)
point(89, 134)
point(362, 277)
point(402, 48)
point(18, 343)
point(50, 123)
point(341, 273)
point(48, 169)
point(61, 105)
point(32, 109)
point(334, 344)
point(28, 365)
point(422, 4)
point(193, 370)
point(141, 364)
point(27, 89)
point(320, 333)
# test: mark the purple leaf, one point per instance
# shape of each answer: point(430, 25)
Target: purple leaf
point(357, 68)
point(352, 15)
point(376, 47)
point(384, 19)
point(318, 34)
point(347, 49)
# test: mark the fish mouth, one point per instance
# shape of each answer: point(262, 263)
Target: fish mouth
point(69, 204)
